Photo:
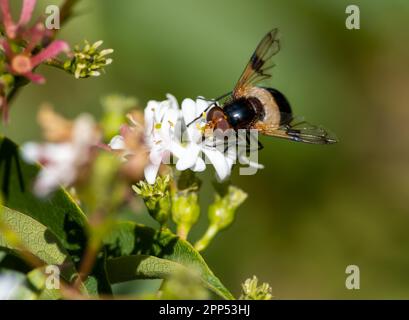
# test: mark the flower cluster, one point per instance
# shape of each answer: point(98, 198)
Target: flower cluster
point(68, 152)
point(253, 291)
point(179, 132)
point(24, 46)
point(89, 61)
point(148, 145)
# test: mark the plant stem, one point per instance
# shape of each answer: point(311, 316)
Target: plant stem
point(182, 232)
point(20, 82)
point(55, 63)
point(12, 94)
point(204, 242)
point(87, 263)
point(34, 262)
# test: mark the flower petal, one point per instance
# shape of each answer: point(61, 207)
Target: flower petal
point(84, 132)
point(26, 12)
point(200, 165)
point(150, 116)
point(151, 171)
point(30, 152)
point(36, 34)
point(9, 25)
point(219, 162)
point(201, 106)
point(169, 120)
point(189, 110)
point(117, 143)
point(156, 155)
point(57, 153)
point(52, 177)
point(173, 103)
point(176, 149)
point(52, 50)
point(35, 78)
point(189, 157)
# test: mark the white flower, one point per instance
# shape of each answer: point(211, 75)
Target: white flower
point(133, 131)
point(167, 133)
point(9, 284)
point(161, 122)
point(118, 143)
point(161, 119)
point(190, 154)
point(63, 161)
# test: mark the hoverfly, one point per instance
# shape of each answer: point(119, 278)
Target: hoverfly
point(265, 109)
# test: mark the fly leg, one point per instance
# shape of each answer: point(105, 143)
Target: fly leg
point(249, 139)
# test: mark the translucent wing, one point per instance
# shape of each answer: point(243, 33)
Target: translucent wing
point(260, 64)
point(299, 130)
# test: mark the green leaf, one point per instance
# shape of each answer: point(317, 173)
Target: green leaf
point(59, 213)
point(12, 261)
point(43, 244)
point(36, 239)
point(3, 254)
point(146, 245)
point(37, 279)
point(136, 267)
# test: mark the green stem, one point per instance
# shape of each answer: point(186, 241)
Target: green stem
point(12, 94)
point(183, 231)
point(204, 242)
point(55, 63)
point(20, 82)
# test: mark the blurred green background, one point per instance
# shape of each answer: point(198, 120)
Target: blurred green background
point(314, 210)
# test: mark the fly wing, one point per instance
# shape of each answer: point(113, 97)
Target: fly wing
point(299, 130)
point(260, 64)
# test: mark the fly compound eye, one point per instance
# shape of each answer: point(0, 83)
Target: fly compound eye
point(215, 114)
point(222, 124)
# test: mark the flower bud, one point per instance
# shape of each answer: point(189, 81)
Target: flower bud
point(221, 214)
point(89, 61)
point(223, 210)
point(251, 290)
point(157, 198)
point(185, 212)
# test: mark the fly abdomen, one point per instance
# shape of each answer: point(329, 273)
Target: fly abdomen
point(283, 105)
